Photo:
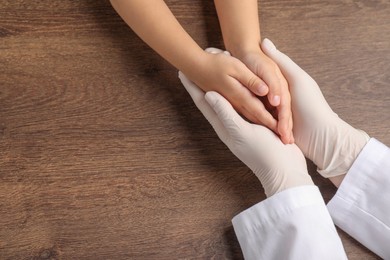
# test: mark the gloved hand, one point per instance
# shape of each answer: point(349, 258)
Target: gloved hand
point(327, 140)
point(276, 165)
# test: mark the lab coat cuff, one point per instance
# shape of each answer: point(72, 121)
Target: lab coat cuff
point(361, 206)
point(291, 224)
point(276, 206)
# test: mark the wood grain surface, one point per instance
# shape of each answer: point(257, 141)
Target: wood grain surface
point(103, 155)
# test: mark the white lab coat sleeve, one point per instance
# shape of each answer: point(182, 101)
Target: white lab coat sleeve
point(292, 224)
point(361, 206)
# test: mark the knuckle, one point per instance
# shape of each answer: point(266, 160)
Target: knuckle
point(252, 81)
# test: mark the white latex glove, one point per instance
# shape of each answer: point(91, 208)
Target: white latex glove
point(277, 166)
point(327, 140)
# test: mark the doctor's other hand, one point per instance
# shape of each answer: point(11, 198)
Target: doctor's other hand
point(277, 166)
point(218, 71)
point(327, 140)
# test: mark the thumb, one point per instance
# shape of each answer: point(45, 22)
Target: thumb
point(225, 112)
point(286, 65)
point(195, 92)
point(198, 97)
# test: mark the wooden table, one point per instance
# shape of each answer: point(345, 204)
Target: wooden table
point(103, 155)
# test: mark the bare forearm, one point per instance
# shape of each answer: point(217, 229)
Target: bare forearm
point(154, 23)
point(239, 24)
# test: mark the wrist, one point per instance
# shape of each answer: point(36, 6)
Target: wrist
point(192, 61)
point(193, 67)
point(242, 50)
point(343, 144)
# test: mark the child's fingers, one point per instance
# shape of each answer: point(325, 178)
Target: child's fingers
point(279, 97)
point(225, 112)
point(271, 74)
point(285, 119)
point(250, 80)
point(285, 126)
point(250, 106)
point(292, 133)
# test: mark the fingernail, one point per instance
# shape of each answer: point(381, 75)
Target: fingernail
point(268, 45)
point(276, 101)
point(262, 89)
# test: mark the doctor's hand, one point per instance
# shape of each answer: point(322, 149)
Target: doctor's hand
point(327, 140)
point(277, 166)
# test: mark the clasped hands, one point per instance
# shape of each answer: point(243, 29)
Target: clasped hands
point(319, 133)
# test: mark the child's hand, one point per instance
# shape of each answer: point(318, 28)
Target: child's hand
point(279, 95)
point(228, 76)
